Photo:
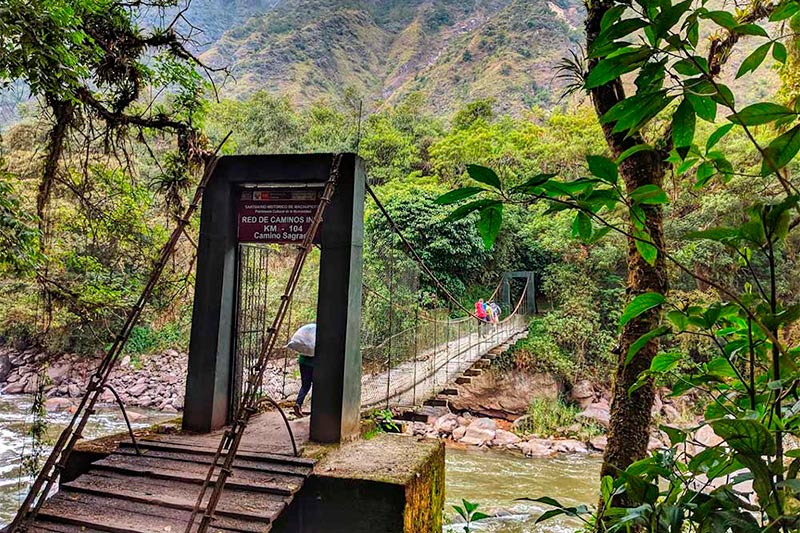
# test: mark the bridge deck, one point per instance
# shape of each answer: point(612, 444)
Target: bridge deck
point(156, 491)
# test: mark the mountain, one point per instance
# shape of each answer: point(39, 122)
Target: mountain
point(450, 51)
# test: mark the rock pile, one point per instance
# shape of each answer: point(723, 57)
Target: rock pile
point(155, 381)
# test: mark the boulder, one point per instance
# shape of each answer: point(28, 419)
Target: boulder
point(597, 413)
point(138, 390)
point(57, 373)
point(74, 391)
point(535, 448)
point(571, 446)
point(504, 438)
point(459, 432)
point(14, 388)
point(484, 423)
point(599, 443)
point(446, 424)
point(654, 444)
point(58, 404)
point(476, 436)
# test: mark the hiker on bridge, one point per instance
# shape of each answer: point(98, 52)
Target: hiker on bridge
point(304, 342)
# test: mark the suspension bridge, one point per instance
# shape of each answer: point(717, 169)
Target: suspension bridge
point(242, 476)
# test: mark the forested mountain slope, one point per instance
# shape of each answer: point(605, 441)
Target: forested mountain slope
point(451, 51)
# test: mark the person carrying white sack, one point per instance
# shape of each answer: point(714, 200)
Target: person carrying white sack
point(303, 342)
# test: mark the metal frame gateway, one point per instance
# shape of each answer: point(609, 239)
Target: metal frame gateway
point(213, 377)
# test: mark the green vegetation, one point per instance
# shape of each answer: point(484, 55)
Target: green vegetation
point(552, 417)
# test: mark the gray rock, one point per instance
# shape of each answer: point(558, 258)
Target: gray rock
point(446, 424)
point(535, 448)
point(484, 423)
point(597, 413)
point(57, 373)
point(599, 443)
point(571, 446)
point(476, 436)
point(58, 404)
point(74, 390)
point(459, 432)
point(14, 388)
point(504, 438)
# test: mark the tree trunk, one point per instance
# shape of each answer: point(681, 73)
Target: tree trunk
point(629, 430)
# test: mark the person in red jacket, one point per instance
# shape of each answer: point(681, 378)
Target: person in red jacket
point(480, 310)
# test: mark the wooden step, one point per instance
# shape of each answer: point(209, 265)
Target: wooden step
point(188, 447)
point(463, 380)
point(283, 484)
point(234, 503)
point(121, 516)
point(246, 464)
point(472, 372)
point(45, 526)
point(482, 364)
point(436, 402)
point(449, 392)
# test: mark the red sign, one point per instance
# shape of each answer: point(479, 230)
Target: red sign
point(276, 215)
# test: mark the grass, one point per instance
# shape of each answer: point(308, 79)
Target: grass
point(552, 417)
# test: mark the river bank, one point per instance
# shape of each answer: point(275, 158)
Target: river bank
point(156, 381)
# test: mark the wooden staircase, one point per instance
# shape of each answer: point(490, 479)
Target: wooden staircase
point(156, 491)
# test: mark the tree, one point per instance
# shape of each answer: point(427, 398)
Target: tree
point(649, 133)
point(95, 72)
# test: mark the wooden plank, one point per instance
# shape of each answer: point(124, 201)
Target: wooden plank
point(189, 447)
point(211, 443)
point(120, 516)
point(45, 526)
point(170, 469)
point(207, 459)
point(242, 504)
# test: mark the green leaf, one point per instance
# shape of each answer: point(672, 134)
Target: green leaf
point(785, 10)
point(720, 367)
point(751, 29)
point(582, 226)
point(704, 172)
point(664, 362)
point(754, 60)
point(678, 319)
point(676, 436)
point(748, 437)
point(532, 183)
point(642, 341)
point(761, 113)
point(779, 52)
point(721, 234)
point(704, 106)
point(603, 168)
point(649, 194)
point(683, 124)
point(484, 175)
point(717, 136)
point(471, 207)
point(640, 304)
point(456, 195)
point(781, 151)
point(722, 18)
point(643, 241)
point(489, 224)
point(633, 150)
point(615, 66)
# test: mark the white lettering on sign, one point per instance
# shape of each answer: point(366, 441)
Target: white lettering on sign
point(276, 215)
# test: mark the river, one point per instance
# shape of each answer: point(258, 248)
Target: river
point(493, 479)
point(496, 479)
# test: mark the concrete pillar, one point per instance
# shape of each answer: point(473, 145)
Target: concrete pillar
point(336, 397)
